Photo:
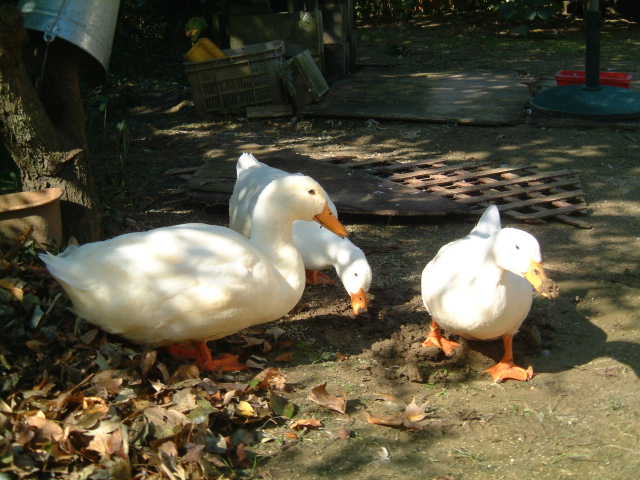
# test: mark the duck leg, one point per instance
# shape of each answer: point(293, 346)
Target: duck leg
point(199, 351)
point(183, 350)
point(316, 277)
point(435, 339)
point(505, 368)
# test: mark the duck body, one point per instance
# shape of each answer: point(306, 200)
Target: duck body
point(471, 296)
point(176, 283)
point(481, 287)
point(195, 281)
point(320, 248)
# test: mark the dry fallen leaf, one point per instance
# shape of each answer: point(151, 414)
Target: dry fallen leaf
point(245, 409)
point(281, 406)
point(14, 286)
point(306, 423)
point(110, 438)
point(194, 452)
point(271, 378)
point(108, 382)
point(414, 412)
point(320, 396)
point(388, 420)
point(284, 357)
point(412, 417)
point(148, 360)
point(184, 400)
point(39, 428)
point(166, 422)
point(168, 456)
point(185, 372)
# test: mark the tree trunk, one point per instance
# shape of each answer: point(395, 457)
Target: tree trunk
point(47, 139)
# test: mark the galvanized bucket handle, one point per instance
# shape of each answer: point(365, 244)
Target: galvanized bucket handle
point(49, 36)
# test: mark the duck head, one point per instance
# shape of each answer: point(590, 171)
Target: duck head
point(519, 252)
point(355, 275)
point(302, 198)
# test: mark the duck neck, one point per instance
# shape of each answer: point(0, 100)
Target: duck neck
point(491, 273)
point(275, 239)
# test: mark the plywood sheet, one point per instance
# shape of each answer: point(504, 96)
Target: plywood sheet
point(353, 192)
point(474, 98)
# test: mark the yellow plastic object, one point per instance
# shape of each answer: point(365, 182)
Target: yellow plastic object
point(211, 47)
point(204, 50)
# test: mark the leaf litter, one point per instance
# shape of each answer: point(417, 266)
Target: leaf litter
point(82, 404)
point(79, 403)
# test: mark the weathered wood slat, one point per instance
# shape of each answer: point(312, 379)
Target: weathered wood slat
point(542, 212)
point(546, 214)
point(347, 163)
point(479, 187)
point(557, 203)
point(535, 201)
point(442, 170)
point(514, 192)
point(571, 220)
point(403, 166)
point(453, 179)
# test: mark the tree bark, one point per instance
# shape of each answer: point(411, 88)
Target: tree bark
point(47, 139)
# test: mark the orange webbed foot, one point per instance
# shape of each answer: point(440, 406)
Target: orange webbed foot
point(502, 371)
point(435, 339)
point(448, 347)
point(199, 351)
point(316, 277)
point(224, 363)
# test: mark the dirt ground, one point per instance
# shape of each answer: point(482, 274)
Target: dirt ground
point(577, 418)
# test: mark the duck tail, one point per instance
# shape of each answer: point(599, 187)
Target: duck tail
point(59, 267)
point(246, 161)
point(489, 223)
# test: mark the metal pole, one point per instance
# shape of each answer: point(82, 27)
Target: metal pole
point(592, 54)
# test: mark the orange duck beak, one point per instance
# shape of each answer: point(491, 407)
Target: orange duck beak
point(328, 220)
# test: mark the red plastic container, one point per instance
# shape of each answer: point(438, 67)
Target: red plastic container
point(577, 77)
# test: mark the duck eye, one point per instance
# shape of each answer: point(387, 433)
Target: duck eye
point(355, 274)
point(311, 192)
point(517, 247)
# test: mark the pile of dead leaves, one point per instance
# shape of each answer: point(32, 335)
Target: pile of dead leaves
point(77, 403)
point(80, 404)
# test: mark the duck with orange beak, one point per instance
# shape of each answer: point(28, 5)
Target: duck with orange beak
point(480, 288)
point(193, 283)
point(320, 247)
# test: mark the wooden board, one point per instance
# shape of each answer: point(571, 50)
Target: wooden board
point(519, 191)
point(299, 30)
point(469, 98)
point(353, 192)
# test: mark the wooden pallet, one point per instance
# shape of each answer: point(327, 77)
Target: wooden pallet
point(520, 192)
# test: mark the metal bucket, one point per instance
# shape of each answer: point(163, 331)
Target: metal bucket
point(88, 24)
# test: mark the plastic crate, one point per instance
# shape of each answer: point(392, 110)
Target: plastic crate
point(577, 77)
point(247, 76)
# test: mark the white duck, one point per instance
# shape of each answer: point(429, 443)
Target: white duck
point(320, 248)
point(197, 282)
point(479, 287)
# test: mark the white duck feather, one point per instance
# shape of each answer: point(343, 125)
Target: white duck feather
point(480, 286)
point(320, 248)
point(195, 281)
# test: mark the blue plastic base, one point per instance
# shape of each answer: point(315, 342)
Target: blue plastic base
point(605, 102)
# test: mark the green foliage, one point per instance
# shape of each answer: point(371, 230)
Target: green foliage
point(526, 11)
point(386, 9)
